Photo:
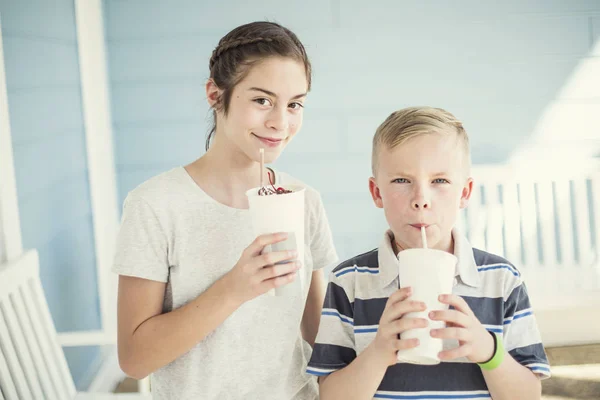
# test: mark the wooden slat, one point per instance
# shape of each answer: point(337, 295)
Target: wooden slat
point(529, 222)
point(596, 205)
point(6, 382)
point(23, 352)
point(476, 219)
point(27, 323)
point(582, 221)
point(547, 221)
point(15, 368)
point(512, 222)
point(494, 241)
point(45, 343)
point(60, 363)
point(565, 222)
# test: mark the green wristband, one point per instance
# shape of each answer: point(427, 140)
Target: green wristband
point(498, 356)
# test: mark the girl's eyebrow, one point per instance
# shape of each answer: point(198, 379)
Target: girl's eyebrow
point(268, 92)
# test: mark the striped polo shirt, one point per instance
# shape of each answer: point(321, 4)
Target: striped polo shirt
point(359, 288)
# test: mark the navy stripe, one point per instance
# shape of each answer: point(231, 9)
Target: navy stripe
point(336, 299)
point(331, 356)
point(489, 310)
point(532, 354)
point(483, 258)
point(369, 259)
point(517, 300)
point(450, 377)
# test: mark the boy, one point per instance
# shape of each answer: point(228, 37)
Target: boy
point(492, 346)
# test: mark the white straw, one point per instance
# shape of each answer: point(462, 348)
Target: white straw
point(262, 167)
point(423, 237)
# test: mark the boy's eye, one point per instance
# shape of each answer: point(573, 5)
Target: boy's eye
point(296, 106)
point(263, 101)
point(440, 180)
point(400, 180)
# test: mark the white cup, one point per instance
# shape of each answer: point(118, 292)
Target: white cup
point(430, 273)
point(281, 213)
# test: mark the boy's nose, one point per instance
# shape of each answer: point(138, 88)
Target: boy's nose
point(420, 204)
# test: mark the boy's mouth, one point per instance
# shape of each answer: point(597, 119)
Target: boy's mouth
point(419, 226)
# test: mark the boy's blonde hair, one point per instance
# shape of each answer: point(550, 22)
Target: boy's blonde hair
point(411, 122)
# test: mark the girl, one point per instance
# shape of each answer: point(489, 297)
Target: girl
point(191, 307)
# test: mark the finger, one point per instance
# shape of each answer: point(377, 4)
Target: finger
point(405, 324)
point(399, 295)
point(274, 257)
point(279, 281)
point(461, 351)
point(276, 270)
point(257, 246)
point(454, 317)
point(462, 334)
point(397, 310)
point(457, 302)
point(403, 344)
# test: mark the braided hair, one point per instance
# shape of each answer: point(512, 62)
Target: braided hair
point(240, 49)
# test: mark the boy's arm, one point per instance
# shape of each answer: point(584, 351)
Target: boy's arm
point(510, 380)
point(313, 307)
point(360, 377)
point(358, 381)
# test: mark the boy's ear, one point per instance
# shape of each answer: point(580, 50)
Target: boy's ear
point(375, 193)
point(466, 193)
point(213, 93)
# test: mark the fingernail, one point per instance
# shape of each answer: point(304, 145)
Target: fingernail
point(434, 332)
point(432, 314)
point(442, 297)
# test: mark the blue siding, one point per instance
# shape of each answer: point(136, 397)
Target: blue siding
point(44, 96)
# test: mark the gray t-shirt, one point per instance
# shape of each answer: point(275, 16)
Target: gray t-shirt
point(173, 232)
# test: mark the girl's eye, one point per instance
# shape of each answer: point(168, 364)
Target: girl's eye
point(440, 180)
point(296, 106)
point(263, 101)
point(400, 180)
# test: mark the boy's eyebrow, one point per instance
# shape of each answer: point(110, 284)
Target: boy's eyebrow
point(268, 92)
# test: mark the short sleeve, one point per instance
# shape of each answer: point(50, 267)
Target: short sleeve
point(142, 244)
point(321, 241)
point(522, 338)
point(334, 346)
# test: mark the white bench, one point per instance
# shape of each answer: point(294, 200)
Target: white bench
point(32, 363)
point(547, 223)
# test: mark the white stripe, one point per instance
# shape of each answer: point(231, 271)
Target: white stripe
point(354, 268)
point(321, 369)
point(333, 310)
point(431, 394)
point(333, 331)
point(521, 332)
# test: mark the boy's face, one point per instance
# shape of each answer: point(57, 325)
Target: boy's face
point(422, 182)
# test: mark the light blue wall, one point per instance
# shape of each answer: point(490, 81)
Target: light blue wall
point(44, 95)
point(496, 66)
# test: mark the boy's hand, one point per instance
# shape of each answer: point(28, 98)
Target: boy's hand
point(475, 342)
point(391, 324)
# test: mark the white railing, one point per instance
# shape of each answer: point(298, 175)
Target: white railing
point(545, 219)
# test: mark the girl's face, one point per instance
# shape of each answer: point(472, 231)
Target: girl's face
point(266, 109)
